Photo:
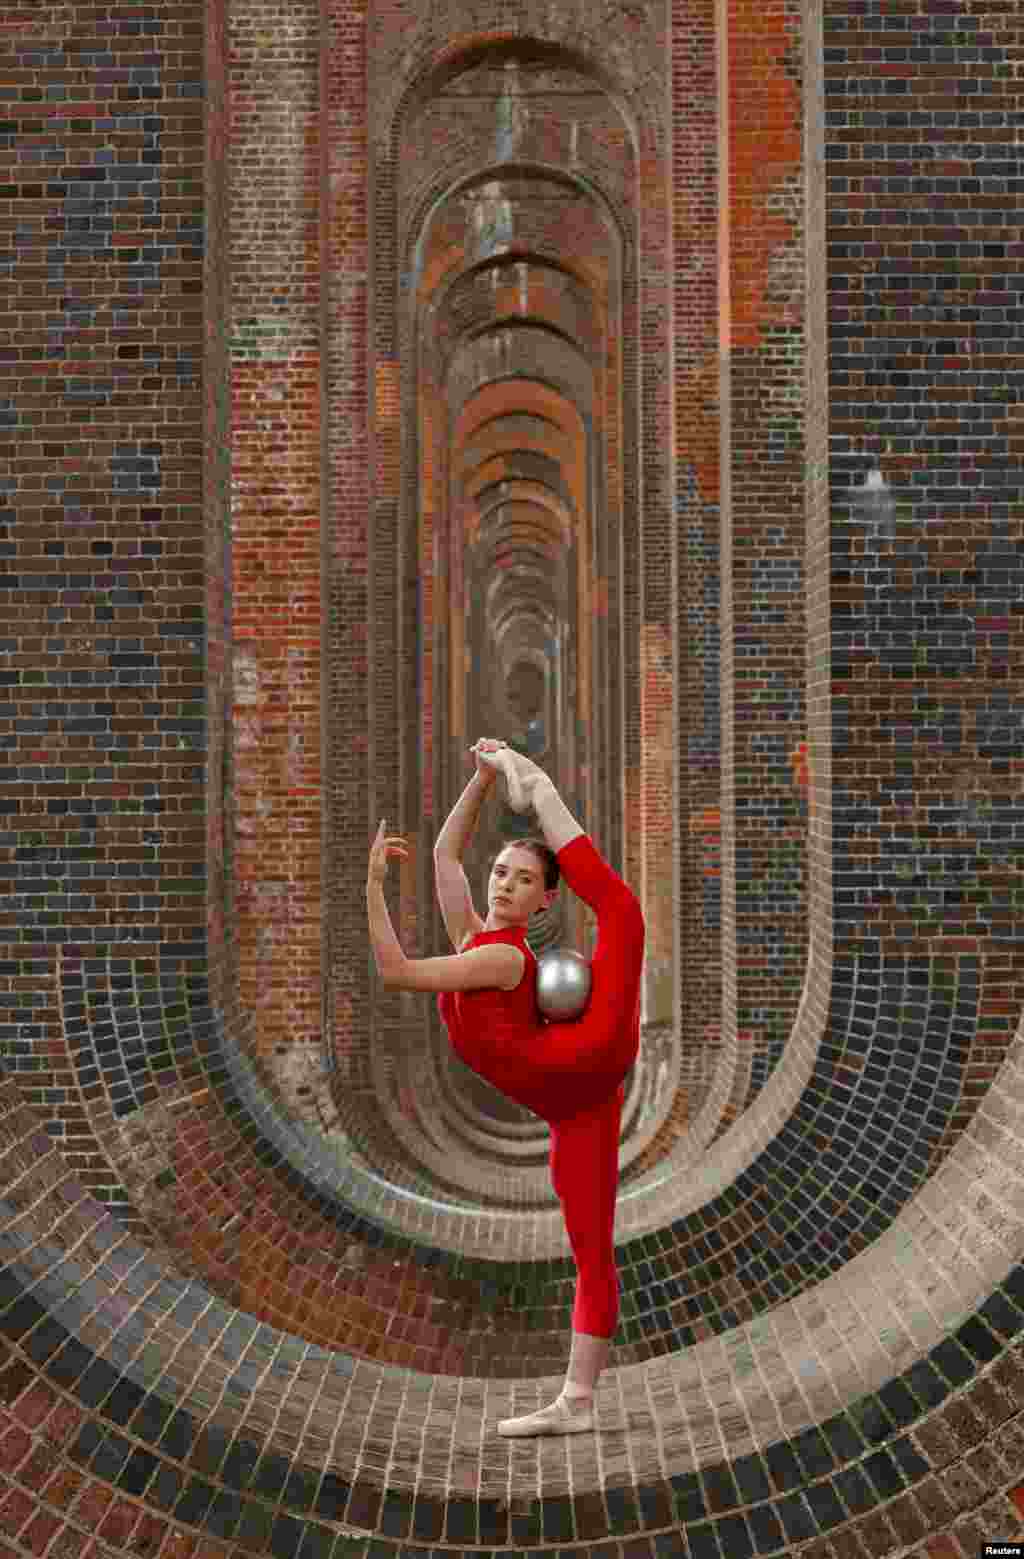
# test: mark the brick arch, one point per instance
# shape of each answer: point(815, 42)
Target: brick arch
point(525, 491)
point(425, 77)
point(503, 397)
point(412, 779)
point(521, 532)
point(494, 443)
point(565, 309)
point(620, 419)
point(499, 395)
point(448, 186)
point(513, 429)
point(533, 416)
point(513, 324)
point(522, 467)
point(536, 497)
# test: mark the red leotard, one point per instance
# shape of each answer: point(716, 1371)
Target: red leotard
point(570, 1074)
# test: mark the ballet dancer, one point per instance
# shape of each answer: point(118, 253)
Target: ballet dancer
point(568, 1073)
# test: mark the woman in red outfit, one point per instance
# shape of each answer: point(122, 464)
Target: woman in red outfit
point(570, 1074)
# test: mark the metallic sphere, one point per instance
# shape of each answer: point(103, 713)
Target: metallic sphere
point(563, 984)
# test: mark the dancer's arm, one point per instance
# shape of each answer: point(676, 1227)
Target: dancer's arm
point(557, 823)
point(498, 965)
point(453, 895)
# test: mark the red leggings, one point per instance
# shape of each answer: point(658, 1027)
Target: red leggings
point(571, 1075)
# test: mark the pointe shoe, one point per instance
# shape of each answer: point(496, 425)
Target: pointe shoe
point(557, 1418)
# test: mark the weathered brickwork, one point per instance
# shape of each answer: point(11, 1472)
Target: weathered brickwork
point(275, 534)
point(925, 283)
point(103, 714)
point(640, 381)
point(763, 443)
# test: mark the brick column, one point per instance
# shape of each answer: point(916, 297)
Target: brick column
point(348, 711)
point(276, 520)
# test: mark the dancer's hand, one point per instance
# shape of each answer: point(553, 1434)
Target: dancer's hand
point(488, 772)
point(522, 775)
point(383, 846)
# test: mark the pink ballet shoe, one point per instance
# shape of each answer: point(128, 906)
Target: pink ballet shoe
point(563, 1416)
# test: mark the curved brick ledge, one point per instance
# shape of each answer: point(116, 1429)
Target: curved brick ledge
point(241, 1431)
point(861, 1140)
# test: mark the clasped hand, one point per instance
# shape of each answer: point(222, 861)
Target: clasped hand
point(522, 775)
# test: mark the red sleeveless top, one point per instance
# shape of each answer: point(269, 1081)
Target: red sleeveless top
point(485, 1026)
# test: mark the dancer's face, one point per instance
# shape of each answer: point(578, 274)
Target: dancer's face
point(515, 889)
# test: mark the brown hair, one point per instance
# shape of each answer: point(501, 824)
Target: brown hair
point(544, 853)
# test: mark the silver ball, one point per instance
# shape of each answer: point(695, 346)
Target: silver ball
point(563, 984)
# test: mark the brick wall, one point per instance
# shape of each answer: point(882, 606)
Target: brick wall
point(103, 720)
point(924, 266)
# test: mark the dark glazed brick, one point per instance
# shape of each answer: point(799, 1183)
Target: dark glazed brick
point(428, 1520)
point(813, 1453)
point(556, 1519)
point(166, 1487)
point(396, 1517)
point(1005, 1318)
point(722, 1494)
point(460, 1523)
point(909, 1460)
point(255, 1526)
point(690, 1505)
point(978, 1340)
point(703, 1543)
point(825, 1505)
point(854, 1490)
point(194, 1502)
point(110, 1458)
point(927, 1385)
point(899, 1404)
point(884, 1474)
point(871, 1419)
point(317, 1543)
point(44, 1341)
point(286, 1537)
point(150, 1418)
point(178, 1437)
point(796, 1518)
point(224, 1514)
point(783, 1467)
point(137, 1472)
point(271, 1477)
point(734, 1538)
point(623, 1515)
point(123, 1402)
point(751, 1479)
point(766, 1528)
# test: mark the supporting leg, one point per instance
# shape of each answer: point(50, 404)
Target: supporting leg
point(584, 1172)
